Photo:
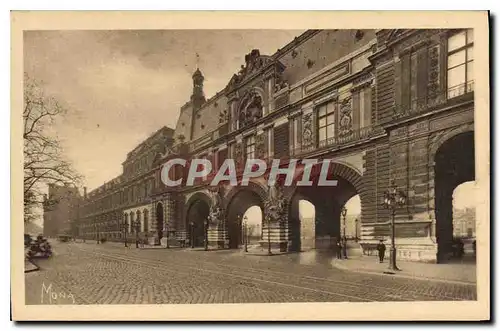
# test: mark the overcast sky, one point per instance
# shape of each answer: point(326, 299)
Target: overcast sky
point(121, 86)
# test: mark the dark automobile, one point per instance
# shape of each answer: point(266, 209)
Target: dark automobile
point(39, 247)
point(64, 238)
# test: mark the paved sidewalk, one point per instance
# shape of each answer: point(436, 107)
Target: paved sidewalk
point(258, 250)
point(452, 273)
point(29, 266)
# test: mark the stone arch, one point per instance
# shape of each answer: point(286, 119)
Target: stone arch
point(202, 195)
point(452, 163)
point(257, 188)
point(440, 139)
point(250, 107)
point(344, 171)
point(196, 211)
point(236, 203)
point(434, 144)
point(262, 93)
point(328, 203)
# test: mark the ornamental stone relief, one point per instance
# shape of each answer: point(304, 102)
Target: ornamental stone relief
point(345, 117)
point(253, 63)
point(260, 146)
point(238, 153)
point(307, 131)
point(250, 109)
point(434, 69)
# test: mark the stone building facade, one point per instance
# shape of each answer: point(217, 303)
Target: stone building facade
point(122, 206)
point(382, 105)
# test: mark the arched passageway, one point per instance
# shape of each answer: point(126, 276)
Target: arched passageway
point(353, 218)
point(302, 229)
point(197, 215)
point(245, 200)
point(453, 165)
point(315, 212)
point(464, 205)
point(253, 220)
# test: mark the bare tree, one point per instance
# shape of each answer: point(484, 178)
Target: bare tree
point(44, 162)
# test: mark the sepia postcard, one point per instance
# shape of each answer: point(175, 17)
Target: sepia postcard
point(237, 166)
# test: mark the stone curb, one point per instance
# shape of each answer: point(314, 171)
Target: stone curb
point(402, 275)
point(36, 267)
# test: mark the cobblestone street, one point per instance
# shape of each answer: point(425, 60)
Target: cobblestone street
point(86, 273)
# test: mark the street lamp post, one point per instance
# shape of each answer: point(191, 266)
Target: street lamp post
point(125, 228)
point(356, 229)
point(344, 239)
point(269, 252)
point(245, 220)
point(393, 198)
point(96, 234)
point(136, 227)
point(165, 229)
point(192, 234)
point(206, 233)
point(240, 241)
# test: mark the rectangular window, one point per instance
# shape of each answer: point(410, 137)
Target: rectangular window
point(326, 123)
point(460, 63)
point(250, 147)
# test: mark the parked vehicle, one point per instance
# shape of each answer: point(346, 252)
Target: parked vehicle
point(27, 240)
point(64, 238)
point(39, 247)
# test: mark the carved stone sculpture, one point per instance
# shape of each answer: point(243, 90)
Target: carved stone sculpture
point(275, 204)
point(307, 133)
point(250, 108)
point(345, 117)
point(260, 146)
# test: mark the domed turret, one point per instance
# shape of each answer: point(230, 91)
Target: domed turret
point(198, 97)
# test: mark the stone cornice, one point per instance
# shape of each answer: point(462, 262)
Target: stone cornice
point(390, 125)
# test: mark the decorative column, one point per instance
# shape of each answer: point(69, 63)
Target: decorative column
point(217, 232)
point(274, 229)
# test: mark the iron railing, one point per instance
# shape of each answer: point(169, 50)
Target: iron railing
point(432, 101)
point(339, 140)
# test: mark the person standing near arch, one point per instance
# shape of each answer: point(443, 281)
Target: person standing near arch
point(381, 251)
point(338, 248)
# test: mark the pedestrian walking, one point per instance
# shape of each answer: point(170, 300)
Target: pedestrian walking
point(338, 247)
point(381, 251)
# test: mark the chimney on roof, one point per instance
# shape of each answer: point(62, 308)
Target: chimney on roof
point(85, 192)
